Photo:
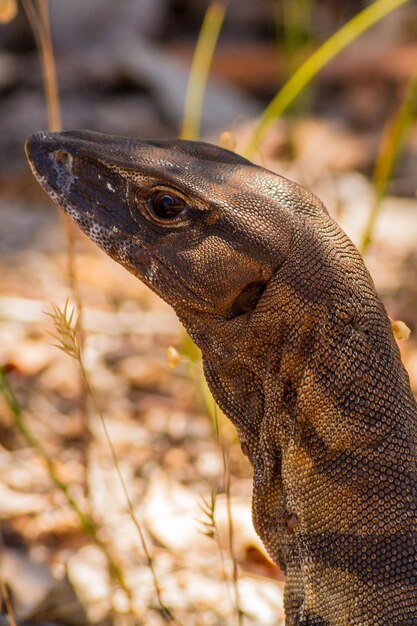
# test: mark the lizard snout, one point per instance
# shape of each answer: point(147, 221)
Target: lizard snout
point(44, 151)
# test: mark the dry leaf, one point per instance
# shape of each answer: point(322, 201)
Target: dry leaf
point(29, 581)
point(244, 533)
point(262, 599)
point(173, 515)
point(13, 503)
point(8, 10)
point(30, 356)
point(88, 573)
point(324, 146)
point(170, 511)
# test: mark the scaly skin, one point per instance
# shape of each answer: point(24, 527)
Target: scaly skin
point(297, 350)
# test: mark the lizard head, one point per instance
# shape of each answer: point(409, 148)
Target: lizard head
point(191, 220)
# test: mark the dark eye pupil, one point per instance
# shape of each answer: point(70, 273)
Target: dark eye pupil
point(165, 206)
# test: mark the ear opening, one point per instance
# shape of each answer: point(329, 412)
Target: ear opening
point(248, 298)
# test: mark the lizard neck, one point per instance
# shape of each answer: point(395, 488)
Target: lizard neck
point(304, 348)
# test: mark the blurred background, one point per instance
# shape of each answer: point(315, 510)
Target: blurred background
point(70, 551)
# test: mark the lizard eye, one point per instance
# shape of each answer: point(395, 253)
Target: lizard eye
point(164, 207)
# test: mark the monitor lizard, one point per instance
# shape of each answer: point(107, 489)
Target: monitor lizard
point(297, 350)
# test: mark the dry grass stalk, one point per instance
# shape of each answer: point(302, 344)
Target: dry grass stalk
point(392, 143)
point(38, 16)
point(209, 528)
point(226, 479)
point(66, 323)
point(87, 523)
point(208, 509)
point(5, 600)
point(5, 596)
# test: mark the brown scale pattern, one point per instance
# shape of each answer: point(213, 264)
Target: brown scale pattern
point(297, 350)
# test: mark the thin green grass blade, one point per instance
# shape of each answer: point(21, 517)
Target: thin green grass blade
point(200, 66)
point(391, 147)
point(19, 420)
point(321, 57)
point(296, 19)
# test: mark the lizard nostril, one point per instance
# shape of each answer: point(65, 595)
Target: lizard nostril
point(63, 158)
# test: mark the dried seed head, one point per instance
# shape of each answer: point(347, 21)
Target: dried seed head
point(400, 330)
point(173, 357)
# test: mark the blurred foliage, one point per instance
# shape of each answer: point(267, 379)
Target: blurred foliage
point(200, 68)
point(392, 143)
point(319, 59)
